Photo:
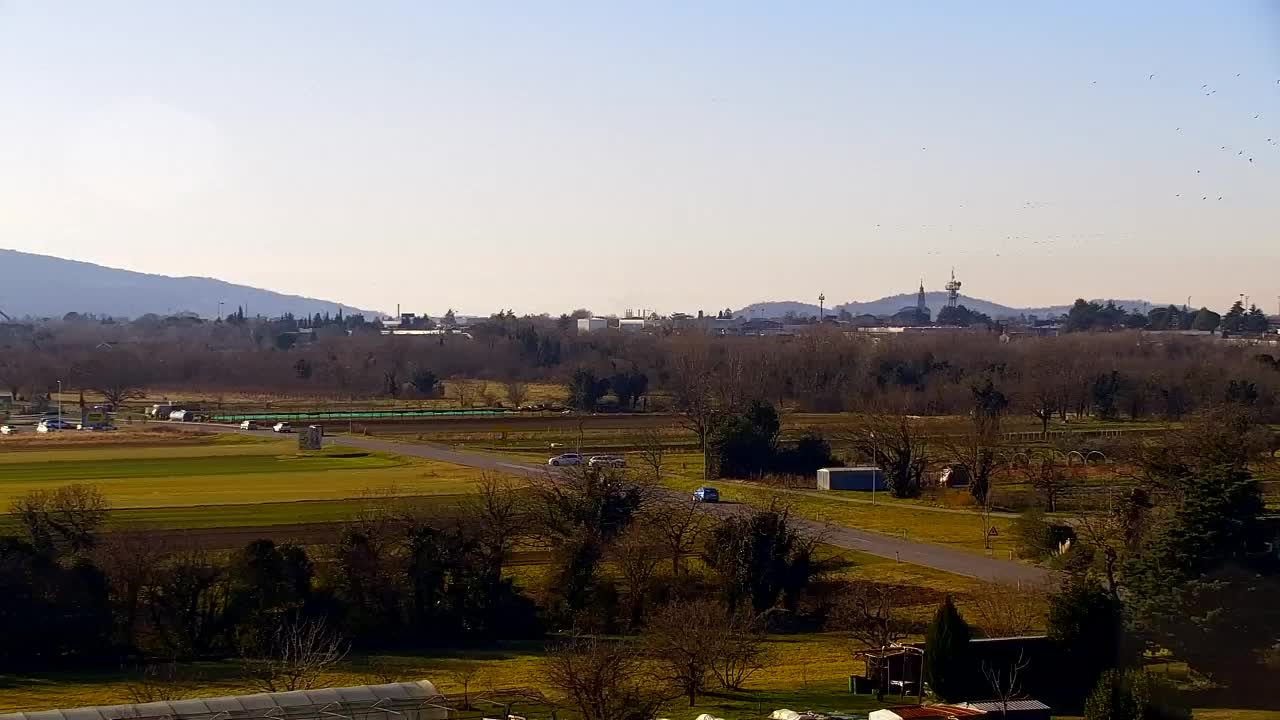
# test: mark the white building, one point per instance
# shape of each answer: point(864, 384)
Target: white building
point(631, 324)
point(592, 324)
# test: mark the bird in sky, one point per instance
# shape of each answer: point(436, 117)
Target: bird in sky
point(1152, 76)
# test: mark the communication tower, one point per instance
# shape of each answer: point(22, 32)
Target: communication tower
point(953, 290)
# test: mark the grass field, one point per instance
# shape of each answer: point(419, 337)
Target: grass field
point(216, 483)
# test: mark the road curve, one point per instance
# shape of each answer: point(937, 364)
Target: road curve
point(938, 557)
point(960, 562)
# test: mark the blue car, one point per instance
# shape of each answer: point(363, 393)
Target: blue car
point(706, 494)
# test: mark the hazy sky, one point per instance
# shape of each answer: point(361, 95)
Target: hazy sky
point(669, 155)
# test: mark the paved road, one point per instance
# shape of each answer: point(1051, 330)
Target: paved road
point(960, 562)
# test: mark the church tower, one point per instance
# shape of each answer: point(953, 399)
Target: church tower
point(920, 306)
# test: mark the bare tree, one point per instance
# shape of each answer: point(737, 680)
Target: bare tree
point(680, 522)
point(496, 512)
point(517, 392)
point(637, 563)
point(70, 514)
point(683, 641)
point(652, 453)
point(742, 651)
point(1009, 609)
point(604, 680)
point(298, 654)
point(159, 682)
point(1050, 478)
point(131, 561)
point(1005, 683)
point(693, 395)
point(896, 445)
point(464, 674)
point(461, 391)
point(868, 612)
point(117, 375)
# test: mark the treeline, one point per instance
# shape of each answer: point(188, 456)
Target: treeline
point(1105, 375)
point(623, 558)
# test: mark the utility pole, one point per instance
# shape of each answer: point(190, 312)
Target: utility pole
point(821, 299)
point(59, 405)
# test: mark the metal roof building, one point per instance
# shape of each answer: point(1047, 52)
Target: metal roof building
point(396, 701)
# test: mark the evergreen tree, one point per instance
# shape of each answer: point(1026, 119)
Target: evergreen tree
point(1201, 586)
point(1233, 321)
point(1086, 623)
point(1206, 319)
point(946, 655)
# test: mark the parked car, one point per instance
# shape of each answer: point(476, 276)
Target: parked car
point(566, 459)
point(248, 425)
point(282, 427)
point(96, 427)
point(706, 494)
point(8, 430)
point(616, 461)
point(53, 424)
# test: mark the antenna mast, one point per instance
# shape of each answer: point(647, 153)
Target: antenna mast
point(953, 290)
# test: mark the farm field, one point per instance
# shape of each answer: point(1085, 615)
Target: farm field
point(225, 481)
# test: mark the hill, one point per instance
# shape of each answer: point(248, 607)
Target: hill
point(935, 301)
point(45, 286)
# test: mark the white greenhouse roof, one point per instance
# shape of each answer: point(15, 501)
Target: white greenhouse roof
point(365, 702)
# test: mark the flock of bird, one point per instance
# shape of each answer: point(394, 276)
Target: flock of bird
point(1245, 155)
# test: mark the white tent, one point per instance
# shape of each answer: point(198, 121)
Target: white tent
point(396, 701)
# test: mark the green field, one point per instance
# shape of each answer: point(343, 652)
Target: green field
point(219, 484)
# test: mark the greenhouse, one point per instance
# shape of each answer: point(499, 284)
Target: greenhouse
point(396, 701)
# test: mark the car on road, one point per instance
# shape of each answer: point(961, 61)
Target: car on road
point(706, 494)
point(282, 427)
point(248, 425)
point(615, 461)
point(95, 427)
point(8, 430)
point(565, 459)
point(53, 424)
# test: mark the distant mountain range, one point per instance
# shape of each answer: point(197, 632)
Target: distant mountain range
point(45, 286)
point(935, 300)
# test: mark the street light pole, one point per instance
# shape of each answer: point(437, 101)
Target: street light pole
point(875, 461)
point(59, 404)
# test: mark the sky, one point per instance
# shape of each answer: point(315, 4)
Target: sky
point(672, 156)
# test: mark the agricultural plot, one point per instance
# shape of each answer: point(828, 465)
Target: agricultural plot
point(228, 484)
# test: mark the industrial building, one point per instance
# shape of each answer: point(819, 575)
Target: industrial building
point(592, 324)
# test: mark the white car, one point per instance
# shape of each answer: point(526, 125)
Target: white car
point(248, 425)
point(615, 461)
point(281, 427)
point(8, 430)
point(566, 459)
